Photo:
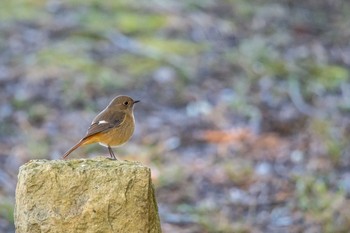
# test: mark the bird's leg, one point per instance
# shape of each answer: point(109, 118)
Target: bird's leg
point(111, 153)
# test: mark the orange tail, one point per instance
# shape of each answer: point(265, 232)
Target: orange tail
point(81, 142)
point(84, 141)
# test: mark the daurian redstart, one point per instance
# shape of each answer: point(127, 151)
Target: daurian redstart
point(112, 127)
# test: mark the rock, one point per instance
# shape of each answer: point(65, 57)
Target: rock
point(86, 195)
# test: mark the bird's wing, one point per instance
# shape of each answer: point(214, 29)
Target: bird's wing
point(105, 121)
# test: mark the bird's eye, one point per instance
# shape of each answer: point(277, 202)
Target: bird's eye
point(126, 103)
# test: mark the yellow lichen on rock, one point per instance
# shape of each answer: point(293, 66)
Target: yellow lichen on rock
point(85, 195)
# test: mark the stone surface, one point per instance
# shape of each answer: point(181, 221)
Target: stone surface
point(85, 195)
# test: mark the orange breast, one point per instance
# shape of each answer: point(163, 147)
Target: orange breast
point(119, 135)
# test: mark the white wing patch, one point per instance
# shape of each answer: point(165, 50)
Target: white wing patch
point(102, 122)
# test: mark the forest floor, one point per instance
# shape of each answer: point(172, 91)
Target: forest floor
point(245, 112)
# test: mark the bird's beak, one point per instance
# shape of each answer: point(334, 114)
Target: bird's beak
point(136, 101)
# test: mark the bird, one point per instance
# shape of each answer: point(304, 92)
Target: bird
point(112, 127)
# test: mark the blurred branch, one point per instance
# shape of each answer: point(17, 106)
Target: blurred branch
point(123, 42)
point(297, 98)
point(126, 43)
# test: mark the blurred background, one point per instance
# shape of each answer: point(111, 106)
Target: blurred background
point(244, 118)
